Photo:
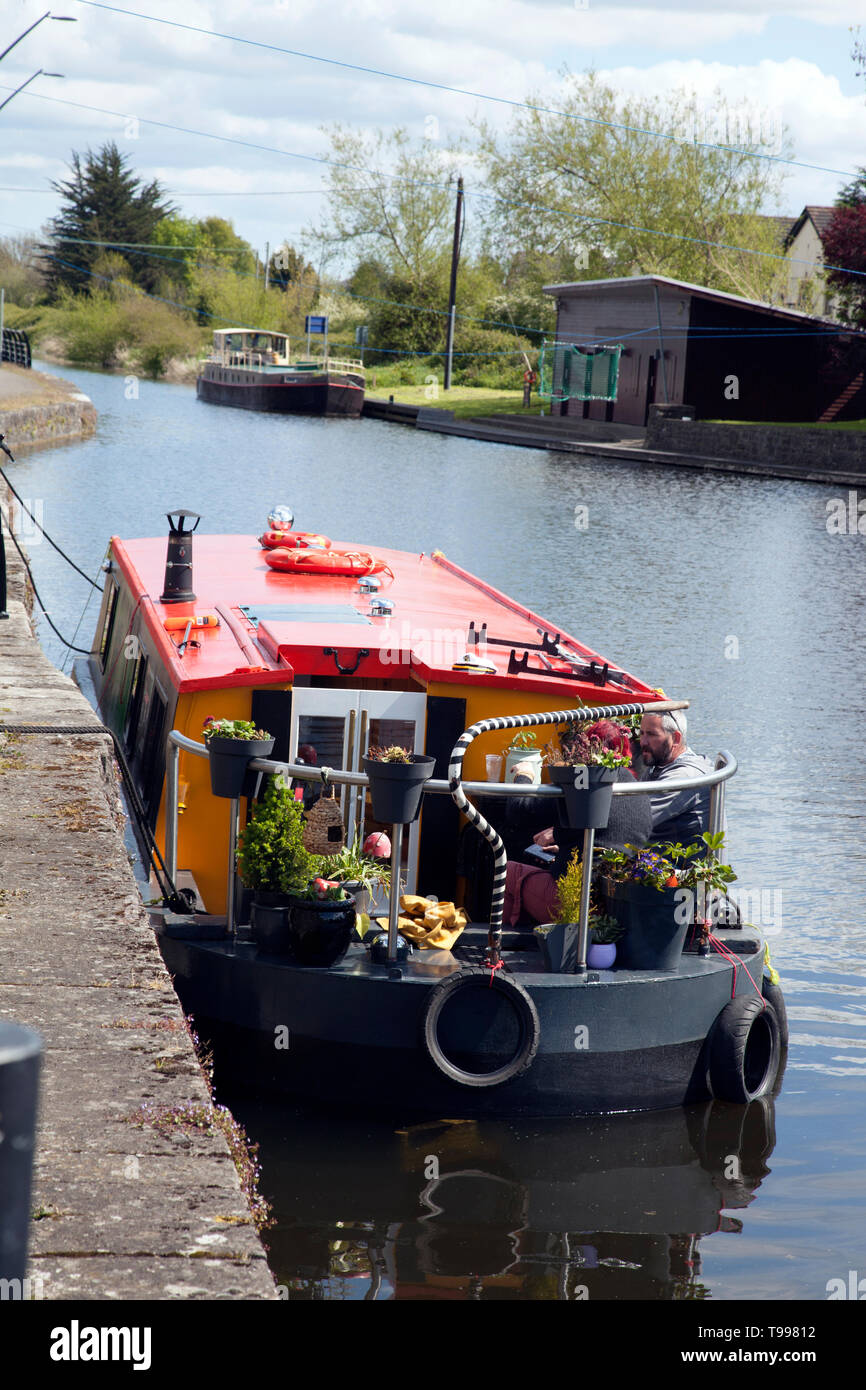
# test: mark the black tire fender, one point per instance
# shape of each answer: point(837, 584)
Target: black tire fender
point(525, 1011)
point(773, 995)
point(745, 1050)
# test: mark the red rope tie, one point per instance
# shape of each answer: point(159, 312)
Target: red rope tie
point(729, 955)
point(493, 969)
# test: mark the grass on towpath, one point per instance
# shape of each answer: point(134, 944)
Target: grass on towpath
point(465, 401)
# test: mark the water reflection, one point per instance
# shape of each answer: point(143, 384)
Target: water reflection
point(608, 1208)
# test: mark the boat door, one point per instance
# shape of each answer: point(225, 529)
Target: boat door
point(339, 726)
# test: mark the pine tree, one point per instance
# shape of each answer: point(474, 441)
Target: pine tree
point(103, 201)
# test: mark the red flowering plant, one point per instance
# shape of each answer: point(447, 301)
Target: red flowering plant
point(597, 746)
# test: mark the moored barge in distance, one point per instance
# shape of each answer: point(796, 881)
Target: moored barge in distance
point(253, 369)
point(383, 647)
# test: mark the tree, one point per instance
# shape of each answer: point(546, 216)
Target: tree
point(20, 272)
point(391, 203)
point(844, 242)
point(103, 201)
point(581, 183)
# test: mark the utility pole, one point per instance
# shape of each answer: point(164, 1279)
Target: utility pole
point(452, 292)
point(267, 265)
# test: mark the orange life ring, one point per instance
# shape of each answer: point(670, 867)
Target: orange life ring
point(293, 540)
point(323, 561)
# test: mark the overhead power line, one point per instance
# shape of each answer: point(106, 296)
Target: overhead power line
point(587, 218)
point(461, 91)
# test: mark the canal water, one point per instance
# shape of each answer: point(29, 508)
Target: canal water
point(729, 591)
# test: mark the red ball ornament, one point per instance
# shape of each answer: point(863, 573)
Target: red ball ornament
point(378, 845)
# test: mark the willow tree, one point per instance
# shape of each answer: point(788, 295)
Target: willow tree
point(593, 180)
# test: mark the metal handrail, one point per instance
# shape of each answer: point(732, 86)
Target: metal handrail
point(726, 767)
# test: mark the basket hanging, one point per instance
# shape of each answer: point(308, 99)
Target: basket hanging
point(324, 831)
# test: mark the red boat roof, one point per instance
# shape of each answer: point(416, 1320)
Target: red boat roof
point(274, 626)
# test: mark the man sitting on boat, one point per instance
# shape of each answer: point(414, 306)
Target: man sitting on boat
point(678, 816)
point(531, 891)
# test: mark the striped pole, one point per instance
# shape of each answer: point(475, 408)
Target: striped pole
point(584, 715)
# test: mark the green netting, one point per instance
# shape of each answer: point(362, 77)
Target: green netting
point(568, 372)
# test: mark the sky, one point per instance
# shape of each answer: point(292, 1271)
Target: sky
point(788, 61)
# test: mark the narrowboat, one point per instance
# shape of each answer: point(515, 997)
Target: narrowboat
point(253, 369)
point(332, 647)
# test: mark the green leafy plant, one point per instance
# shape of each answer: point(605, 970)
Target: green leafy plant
point(524, 741)
point(352, 865)
point(698, 867)
point(604, 930)
point(242, 729)
point(393, 754)
point(271, 854)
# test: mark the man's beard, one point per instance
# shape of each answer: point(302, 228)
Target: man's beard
point(652, 760)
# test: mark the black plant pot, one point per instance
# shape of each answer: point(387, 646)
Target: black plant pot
point(558, 946)
point(228, 762)
point(269, 922)
point(396, 788)
point(653, 937)
point(320, 932)
point(586, 795)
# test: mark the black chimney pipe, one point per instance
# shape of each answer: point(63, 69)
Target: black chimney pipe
point(178, 559)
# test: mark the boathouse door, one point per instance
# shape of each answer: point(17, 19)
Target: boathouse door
point(339, 726)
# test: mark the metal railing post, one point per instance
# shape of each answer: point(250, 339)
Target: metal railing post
point(234, 812)
point(172, 792)
point(394, 898)
point(583, 914)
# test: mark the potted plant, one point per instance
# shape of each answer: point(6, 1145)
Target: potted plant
point(605, 932)
point(321, 922)
point(273, 863)
point(523, 749)
point(366, 877)
point(557, 940)
point(584, 769)
point(703, 876)
point(641, 891)
point(230, 744)
point(397, 778)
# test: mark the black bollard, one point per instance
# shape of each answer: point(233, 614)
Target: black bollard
point(20, 1053)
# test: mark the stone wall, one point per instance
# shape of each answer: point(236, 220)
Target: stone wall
point(792, 446)
point(48, 424)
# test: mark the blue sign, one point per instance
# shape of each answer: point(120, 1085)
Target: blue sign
point(316, 323)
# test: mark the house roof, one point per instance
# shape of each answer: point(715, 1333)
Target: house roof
point(698, 291)
point(820, 218)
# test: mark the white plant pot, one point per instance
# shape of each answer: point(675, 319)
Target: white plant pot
point(533, 759)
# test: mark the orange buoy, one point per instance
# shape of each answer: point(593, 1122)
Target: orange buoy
point(294, 540)
point(351, 562)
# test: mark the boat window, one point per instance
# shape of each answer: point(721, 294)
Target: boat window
point(384, 733)
point(136, 692)
point(108, 627)
point(153, 754)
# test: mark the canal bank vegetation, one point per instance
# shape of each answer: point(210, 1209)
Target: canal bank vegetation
point(122, 281)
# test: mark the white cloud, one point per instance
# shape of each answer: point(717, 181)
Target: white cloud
point(505, 48)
